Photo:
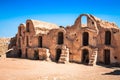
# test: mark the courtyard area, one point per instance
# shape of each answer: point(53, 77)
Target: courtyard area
point(24, 69)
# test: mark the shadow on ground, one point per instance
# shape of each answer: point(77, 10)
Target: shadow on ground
point(115, 65)
point(115, 72)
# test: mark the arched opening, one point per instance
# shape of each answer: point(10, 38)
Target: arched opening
point(84, 21)
point(27, 41)
point(107, 38)
point(85, 39)
point(27, 27)
point(107, 56)
point(58, 53)
point(40, 41)
point(85, 56)
point(60, 38)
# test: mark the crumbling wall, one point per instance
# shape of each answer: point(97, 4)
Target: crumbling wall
point(44, 54)
point(4, 42)
point(12, 42)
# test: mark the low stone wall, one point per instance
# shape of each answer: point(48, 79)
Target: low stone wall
point(38, 53)
point(44, 54)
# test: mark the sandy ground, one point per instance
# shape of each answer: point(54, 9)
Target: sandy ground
point(23, 69)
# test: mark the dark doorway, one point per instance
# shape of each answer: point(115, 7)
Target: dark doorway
point(107, 57)
point(85, 38)
point(60, 38)
point(58, 53)
point(26, 54)
point(27, 41)
point(85, 56)
point(19, 53)
point(40, 41)
point(107, 37)
point(36, 56)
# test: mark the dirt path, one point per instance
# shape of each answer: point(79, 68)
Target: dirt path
point(23, 69)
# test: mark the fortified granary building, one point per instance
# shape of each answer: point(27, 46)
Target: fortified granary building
point(97, 41)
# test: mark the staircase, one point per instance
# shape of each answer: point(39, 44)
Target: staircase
point(64, 58)
point(93, 58)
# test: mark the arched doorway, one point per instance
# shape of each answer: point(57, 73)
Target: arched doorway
point(107, 56)
point(58, 53)
point(85, 39)
point(85, 56)
point(60, 38)
point(107, 38)
point(40, 41)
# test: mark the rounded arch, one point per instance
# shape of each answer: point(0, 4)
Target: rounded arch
point(78, 20)
point(30, 26)
point(77, 23)
point(21, 28)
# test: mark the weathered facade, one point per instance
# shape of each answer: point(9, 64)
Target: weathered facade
point(95, 41)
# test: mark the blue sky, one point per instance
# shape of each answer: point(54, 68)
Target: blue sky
point(60, 12)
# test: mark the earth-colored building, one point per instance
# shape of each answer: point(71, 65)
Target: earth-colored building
point(95, 41)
